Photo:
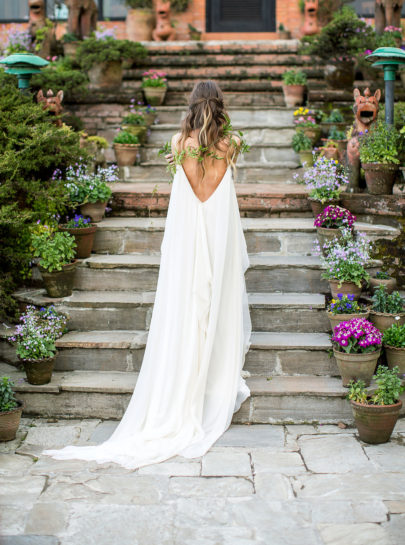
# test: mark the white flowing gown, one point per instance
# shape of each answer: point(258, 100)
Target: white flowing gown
point(190, 382)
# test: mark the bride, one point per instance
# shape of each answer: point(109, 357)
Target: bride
point(190, 382)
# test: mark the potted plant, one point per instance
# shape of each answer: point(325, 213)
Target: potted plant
point(102, 59)
point(35, 339)
point(294, 83)
point(325, 181)
point(135, 123)
point(387, 308)
point(329, 150)
point(344, 262)
point(382, 278)
point(356, 347)
point(302, 145)
point(126, 147)
point(345, 308)
point(83, 232)
point(379, 155)
point(333, 119)
point(330, 222)
point(307, 124)
point(70, 44)
point(140, 20)
point(339, 137)
point(283, 33)
point(195, 34)
point(149, 113)
point(394, 345)
point(154, 85)
point(10, 410)
point(375, 415)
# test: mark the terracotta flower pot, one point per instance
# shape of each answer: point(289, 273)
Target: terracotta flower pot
point(395, 356)
point(339, 75)
point(94, 210)
point(375, 423)
point(84, 237)
point(137, 130)
point(356, 366)
point(330, 152)
point(59, 283)
point(345, 289)
point(293, 95)
point(313, 133)
point(383, 320)
point(306, 157)
point(106, 74)
point(139, 24)
point(318, 207)
point(389, 283)
point(335, 319)
point(154, 96)
point(126, 154)
point(9, 422)
point(325, 235)
point(39, 371)
point(380, 178)
point(149, 118)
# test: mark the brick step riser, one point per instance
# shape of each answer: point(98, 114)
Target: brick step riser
point(220, 60)
point(243, 119)
point(231, 84)
point(266, 98)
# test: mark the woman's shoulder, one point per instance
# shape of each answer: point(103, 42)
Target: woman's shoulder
point(175, 139)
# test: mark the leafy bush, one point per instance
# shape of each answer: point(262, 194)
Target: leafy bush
point(95, 51)
point(53, 248)
point(336, 134)
point(125, 137)
point(301, 142)
point(389, 303)
point(345, 304)
point(62, 75)
point(7, 397)
point(388, 388)
point(356, 336)
point(395, 336)
point(335, 116)
point(380, 145)
point(294, 77)
point(69, 37)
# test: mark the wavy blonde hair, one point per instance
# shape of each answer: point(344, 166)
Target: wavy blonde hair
point(207, 114)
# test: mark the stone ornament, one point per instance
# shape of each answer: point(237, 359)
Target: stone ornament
point(164, 30)
point(82, 19)
point(53, 103)
point(387, 13)
point(310, 18)
point(37, 15)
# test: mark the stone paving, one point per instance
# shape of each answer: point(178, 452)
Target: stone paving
point(259, 484)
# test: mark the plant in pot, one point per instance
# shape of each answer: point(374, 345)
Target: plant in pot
point(149, 112)
point(35, 339)
point(394, 346)
point(154, 86)
point(325, 181)
point(330, 150)
point(387, 308)
point(344, 262)
point(302, 145)
point(283, 33)
point(331, 221)
point(333, 119)
point(70, 44)
point(83, 232)
point(307, 124)
point(10, 410)
point(382, 278)
point(339, 137)
point(126, 146)
point(135, 123)
point(379, 155)
point(376, 414)
point(345, 308)
point(356, 347)
point(294, 83)
point(140, 20)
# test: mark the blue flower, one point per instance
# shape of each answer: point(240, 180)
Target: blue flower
point(350, 297)
point(340, 295)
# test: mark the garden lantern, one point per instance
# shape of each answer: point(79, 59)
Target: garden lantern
point(389, 58)
point(23, 65)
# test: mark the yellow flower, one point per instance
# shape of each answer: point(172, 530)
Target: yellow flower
point(336, 161)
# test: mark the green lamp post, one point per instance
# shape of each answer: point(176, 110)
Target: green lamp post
point(389, 58)
point(23, 65)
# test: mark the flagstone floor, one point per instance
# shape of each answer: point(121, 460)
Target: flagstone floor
point(259, 484)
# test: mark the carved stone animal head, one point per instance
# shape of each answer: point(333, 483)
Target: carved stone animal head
point(36, 9)
point(365, 108)
point(163, 11)
point(51, 102)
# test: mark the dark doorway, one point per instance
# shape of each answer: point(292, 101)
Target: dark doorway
point(241, 15)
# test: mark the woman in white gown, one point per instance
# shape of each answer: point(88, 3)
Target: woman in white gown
point(190, 382)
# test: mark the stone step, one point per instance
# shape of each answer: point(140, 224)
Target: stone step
point(105, 395)
point(284, 236)
point(95, 310)
point(214, 47)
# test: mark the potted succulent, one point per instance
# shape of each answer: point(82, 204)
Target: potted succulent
point(283, 33)
point(135, 123)
point(345, 308)
point(382, 278)
point(379, 155)
point(344, 262)
point(387, 308)
point(330, 222)
point(302, 145)
point(126, 146)
point(375, 415)
point(70, 44)
point(83, 232)
point(325, 181)
point(356, 347)
point(307, 124)
point(394, 345)
point(140, 20)
point(294, 83)
point(154, 85)
point(35, 339)
point(10, 410)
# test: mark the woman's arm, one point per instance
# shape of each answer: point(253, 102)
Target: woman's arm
point(169, 157)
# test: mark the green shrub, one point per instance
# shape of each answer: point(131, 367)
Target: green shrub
point(7, 396)
point(390, 303)
point(395, 336)
point(335, 116)
point(294, 77)
point(62, 75)
point(381, 144)
point(69, 37)
point(95, 51)
point(124, 137)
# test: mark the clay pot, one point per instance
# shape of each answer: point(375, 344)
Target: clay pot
point(326, 127)
point(84, 238)
point(59, 283)
point(106, 74)
point(126, 154)
point(9, 422)
point(345, 289)
point(375, 423)
point(137, 130)
point(139, 24)
point(330, 152)
point(94, 210)
point(149, 118)
point(356, 366)
point(383, 320)
point(39, 371)
point(306, 157)
point(284, 35)
point(293, 95)
point(313, 133)
point(389, 283)
point(380, 178)
point(340, 75)
point(335, 319)
point(325, 235)
point(318, 207)
point(70, 49)
point(154, 96)
point(395, 356)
